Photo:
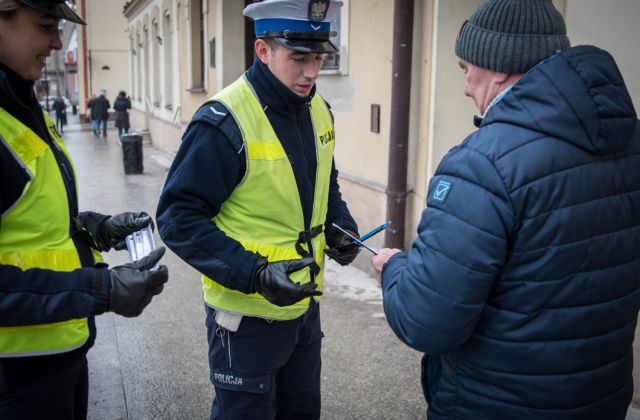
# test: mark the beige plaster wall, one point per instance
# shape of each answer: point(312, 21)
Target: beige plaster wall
point(361, 156)
point(618, 35)
point(422, 88)
point(190, 101)
point(452, 112)
point(229, 33)
point(226, 23)
point(107, 45)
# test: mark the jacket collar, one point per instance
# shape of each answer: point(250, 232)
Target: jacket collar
point(18, 98)
point(272, 93)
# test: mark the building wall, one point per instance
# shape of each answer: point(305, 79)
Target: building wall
point(153, 55)
point(107, 46)
point(421, 114)
point(180, 19)
point(361, 155)
point(614, 29)
point(191, 98)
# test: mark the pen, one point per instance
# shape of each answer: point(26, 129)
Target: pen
point(374, 231)
point(356, 240)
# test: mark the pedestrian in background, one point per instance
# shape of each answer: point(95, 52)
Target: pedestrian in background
point(524, 277)
point(121, 106)
point(95, 123)
point(101, 107)
point(61, 113)
point(51, 282)
point(249, 202)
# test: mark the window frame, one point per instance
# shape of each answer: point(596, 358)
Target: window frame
point(343, 65)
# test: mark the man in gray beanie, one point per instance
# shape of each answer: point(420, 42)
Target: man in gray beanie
point(524, 281)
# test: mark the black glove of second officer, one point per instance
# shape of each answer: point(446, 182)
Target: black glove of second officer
point(272, 281)
point(133, 285)
point(118, 227)
point(110, 231)
point(341, 247)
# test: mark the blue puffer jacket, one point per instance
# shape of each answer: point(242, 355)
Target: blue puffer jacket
point(525, 275)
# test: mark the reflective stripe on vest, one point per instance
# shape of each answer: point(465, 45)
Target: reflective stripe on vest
point(35, 234)
point(264, 213)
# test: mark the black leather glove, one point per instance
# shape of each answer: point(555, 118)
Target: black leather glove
point(272, 281)
point(341, 247)
point(133, 285)
point(118, 227)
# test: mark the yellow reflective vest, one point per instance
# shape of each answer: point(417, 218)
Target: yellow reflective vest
point(35, 234)
point(264, 213)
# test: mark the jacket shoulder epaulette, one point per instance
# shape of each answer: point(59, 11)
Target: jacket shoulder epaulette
point(217, 115)
point(212, 112)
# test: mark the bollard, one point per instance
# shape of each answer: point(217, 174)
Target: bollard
point(132, 153)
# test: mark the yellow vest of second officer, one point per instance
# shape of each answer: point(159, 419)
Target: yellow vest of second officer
point(264, 213)
point(35, 234)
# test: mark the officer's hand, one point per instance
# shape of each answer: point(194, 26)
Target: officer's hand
point(272, 281)
point(118, 227)
point(341, 247)
point(133, 285)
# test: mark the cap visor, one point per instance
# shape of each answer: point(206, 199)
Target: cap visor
point(57, 10)
point(308, 46)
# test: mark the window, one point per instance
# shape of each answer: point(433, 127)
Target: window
point(139, 70)
point(167, 45)
point(337, 63)
point(198, 43)
point(147, 62)
point(133, 65)
point(155, 70)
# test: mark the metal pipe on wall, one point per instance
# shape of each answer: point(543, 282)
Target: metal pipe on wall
point(399, 130)
point(85, 59)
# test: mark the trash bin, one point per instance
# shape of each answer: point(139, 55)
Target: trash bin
point(132, 153)
point(74, 109)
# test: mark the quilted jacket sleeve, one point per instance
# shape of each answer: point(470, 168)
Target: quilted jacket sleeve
point(434, 294)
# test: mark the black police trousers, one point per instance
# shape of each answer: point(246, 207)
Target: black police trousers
point(266, 369)
point(45, 387)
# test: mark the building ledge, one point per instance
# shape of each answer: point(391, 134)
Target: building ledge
point(196, 90)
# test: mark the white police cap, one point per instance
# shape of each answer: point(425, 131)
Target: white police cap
point(300, 25)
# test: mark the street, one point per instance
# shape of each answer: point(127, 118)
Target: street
point(155, 366)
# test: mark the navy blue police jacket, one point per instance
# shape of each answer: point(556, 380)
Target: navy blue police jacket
point(211, 162)
point(39, 296)
point(525, 275)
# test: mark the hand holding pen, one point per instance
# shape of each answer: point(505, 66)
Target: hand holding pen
point(360, 240)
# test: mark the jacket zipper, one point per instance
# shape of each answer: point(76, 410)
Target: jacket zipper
point(84, 253)
point(306, 164)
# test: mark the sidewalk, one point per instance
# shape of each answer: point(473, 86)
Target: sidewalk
point(155, 366)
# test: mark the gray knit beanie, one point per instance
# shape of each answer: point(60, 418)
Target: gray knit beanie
point(511, 36)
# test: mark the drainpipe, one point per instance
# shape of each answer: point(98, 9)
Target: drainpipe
point(84, 58)
point(399, 133)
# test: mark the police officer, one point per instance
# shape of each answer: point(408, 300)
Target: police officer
point(50, 284)
point(249, 201)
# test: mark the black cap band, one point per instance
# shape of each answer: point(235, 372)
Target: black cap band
point(55, 8)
